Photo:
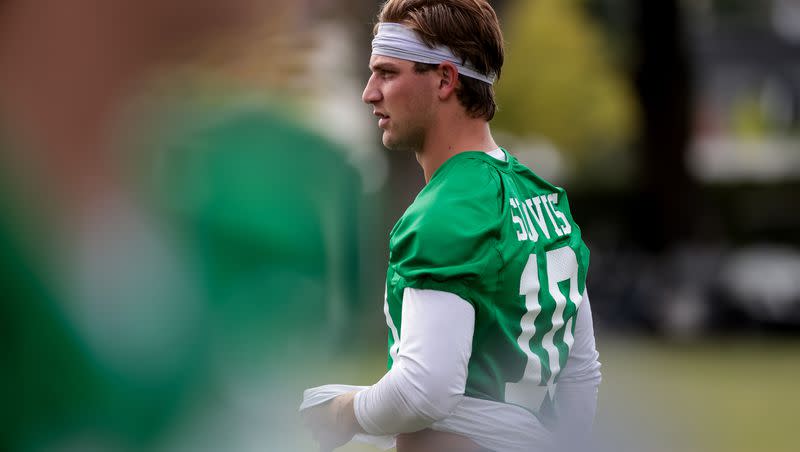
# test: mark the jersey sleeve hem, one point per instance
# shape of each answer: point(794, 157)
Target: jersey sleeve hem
point(455, 287)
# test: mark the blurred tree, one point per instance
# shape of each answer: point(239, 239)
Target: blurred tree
point(742, 10)
point(749, 120)
point(500, 6)
point(666, 207)
point(558, 81)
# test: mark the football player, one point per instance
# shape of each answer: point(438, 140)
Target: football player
point(491, 343)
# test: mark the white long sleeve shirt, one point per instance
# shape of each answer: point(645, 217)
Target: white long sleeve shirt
point(425, 387)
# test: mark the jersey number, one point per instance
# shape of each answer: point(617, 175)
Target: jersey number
point(545, 339)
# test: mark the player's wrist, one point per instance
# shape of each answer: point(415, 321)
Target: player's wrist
point(346, 414)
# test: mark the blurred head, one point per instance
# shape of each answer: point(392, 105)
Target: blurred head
point(70, 69)
point(470, 29)
point(69, 65)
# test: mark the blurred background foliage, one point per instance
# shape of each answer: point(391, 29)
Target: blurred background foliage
point(561, 82)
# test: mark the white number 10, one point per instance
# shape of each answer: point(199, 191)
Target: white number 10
point(561, 265)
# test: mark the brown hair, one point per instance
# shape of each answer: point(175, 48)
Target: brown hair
point(470, 28)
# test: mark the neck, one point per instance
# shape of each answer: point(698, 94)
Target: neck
point(455, 137)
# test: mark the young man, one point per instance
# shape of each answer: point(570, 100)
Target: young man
point(491, 344)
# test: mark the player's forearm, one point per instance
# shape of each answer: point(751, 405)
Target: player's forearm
point(396, 405)
point(576, 405)
point(429, 375)
point(576, 393)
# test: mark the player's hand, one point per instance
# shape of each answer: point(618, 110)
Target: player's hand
point(332, 424)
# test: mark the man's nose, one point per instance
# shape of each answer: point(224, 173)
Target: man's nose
point(371, 94)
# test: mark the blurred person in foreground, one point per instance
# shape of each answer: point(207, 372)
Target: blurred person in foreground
point(491, 343)
point(151, 299)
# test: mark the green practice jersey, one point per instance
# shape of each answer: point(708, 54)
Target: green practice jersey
point(503, 239)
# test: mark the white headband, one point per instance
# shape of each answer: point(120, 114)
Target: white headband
point(395, 40)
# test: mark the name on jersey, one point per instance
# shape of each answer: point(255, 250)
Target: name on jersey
point(538, 216)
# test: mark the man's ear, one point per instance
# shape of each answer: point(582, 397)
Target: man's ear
point(448, 79)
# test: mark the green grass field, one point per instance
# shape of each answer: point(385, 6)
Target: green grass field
point(737, 395)
point(714, 396)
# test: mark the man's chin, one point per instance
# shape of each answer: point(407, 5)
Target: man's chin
point(388, 143)
point(405, 142)
point(393, 144)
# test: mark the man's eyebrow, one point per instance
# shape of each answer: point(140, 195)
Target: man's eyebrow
point(382, 67)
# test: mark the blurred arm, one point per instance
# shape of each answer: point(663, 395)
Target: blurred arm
point(576, 393)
